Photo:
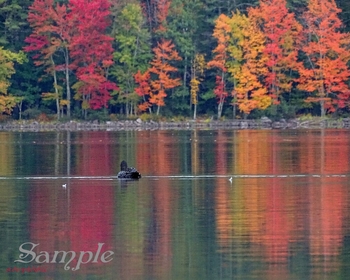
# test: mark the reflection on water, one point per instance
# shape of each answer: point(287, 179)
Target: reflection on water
point(285, 215)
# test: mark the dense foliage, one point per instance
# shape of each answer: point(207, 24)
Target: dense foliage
point(109, 59)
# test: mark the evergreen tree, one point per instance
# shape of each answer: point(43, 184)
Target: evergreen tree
point(182, 28)
point(13, 23)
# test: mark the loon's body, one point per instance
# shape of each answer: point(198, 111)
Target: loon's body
point(128, 172)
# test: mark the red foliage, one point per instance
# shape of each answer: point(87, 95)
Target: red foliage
point(97, 86)
point(162, 12)
point(91, 49)
point(81, 29)
point(281, 30)
point(39, 18)
point(219, 90)
point(36, 43)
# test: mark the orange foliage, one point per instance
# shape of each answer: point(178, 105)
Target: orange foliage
point(222, 35)
point(162, 13)
point(326, 73)
point(144, 88)
point(164, 53)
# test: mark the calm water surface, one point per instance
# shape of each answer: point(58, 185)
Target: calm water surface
point(285, 215)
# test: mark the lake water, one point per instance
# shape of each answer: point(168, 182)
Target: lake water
point(285, 215)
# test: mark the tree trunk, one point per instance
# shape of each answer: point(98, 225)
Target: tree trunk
point(55, 85)
point(184, 80)
point(20, 109)
point(222, 97)
point(67, 82)
point(322, 97)
point(323, 111)
point(221, 104)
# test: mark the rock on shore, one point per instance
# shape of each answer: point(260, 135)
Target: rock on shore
point(263, 123)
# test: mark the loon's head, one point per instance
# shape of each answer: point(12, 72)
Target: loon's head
point(123, 166)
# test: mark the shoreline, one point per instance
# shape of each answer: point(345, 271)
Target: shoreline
point(263, 123)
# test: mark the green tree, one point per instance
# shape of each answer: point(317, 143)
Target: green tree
point(14, 29)
point(183, 23)
point(133, 53)
point(13, 23)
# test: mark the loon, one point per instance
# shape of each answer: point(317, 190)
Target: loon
point(128, 172)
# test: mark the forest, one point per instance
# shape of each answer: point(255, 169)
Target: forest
point(183, 59)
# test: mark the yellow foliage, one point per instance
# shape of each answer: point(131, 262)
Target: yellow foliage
point(7, 103)
point(49, 96)
point(197, 71)
point(6, 70)
point(64, 102)
point(85, 105)
point(248, 65)
point(194, 89)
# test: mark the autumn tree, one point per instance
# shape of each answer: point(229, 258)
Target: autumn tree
point(42, 42)
point(7, 60)
point(144, 89)
point(222, 35)
point(161, 68)
point(78, 33)
point(91, 52)
point(197, 71)
point(324, 73)
point(51, 34)
point(281, 31)
point(248, 64)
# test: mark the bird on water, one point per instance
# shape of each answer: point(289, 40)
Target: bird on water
point(128, 172)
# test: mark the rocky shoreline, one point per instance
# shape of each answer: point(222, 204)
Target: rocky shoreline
point(263, 123)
